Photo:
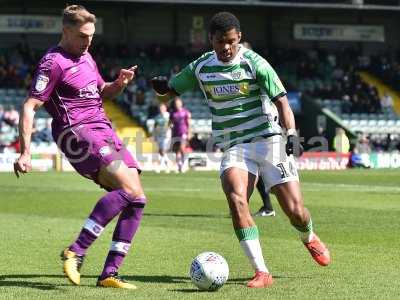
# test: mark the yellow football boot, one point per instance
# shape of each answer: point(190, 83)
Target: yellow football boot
point(114, 281)
point(72, 265)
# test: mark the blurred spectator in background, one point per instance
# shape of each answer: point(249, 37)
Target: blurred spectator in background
point(392, 143)
point(180, 120)
point(363, 144)
point(1, 115)
point(43, 135)
point(196, 143)
point(129, 94)
point(341, 143)
point(11, 116)
point(162, 135)
point(175, 70)
point(387, 103)
point(360, 154)
point(346, 104)
point(153, 109)
point(140, 97)
point(141, 82)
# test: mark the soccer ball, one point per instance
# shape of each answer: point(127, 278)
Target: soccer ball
point(209, 271)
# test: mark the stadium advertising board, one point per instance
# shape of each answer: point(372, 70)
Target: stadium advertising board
point(40, 162)
point(384, 160)
point(329, 32)
point(35, 24)
point(323, 161)
point(211, 161)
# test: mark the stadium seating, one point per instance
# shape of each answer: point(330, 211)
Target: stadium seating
point(16, 97)
point(308, 71)
point(194, 102)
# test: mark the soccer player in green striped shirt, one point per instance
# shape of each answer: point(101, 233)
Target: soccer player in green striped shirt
point(239, 86)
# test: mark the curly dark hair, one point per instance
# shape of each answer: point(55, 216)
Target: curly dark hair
point(223, 22)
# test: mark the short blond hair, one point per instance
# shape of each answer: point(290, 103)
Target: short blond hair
point(77, 15)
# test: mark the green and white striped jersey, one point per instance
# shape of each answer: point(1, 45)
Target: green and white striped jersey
point(239, 94)
point(161, 125)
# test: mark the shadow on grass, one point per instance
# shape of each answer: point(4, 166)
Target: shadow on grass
point(191, 291)
point(157, 278)
point(211, 216)
point(28, 284)
point(7, 281)
point(44, 286)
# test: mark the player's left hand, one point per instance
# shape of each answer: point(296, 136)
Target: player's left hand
point(293, 146)
point(125, 76)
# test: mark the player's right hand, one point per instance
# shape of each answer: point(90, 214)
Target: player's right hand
point(23, 165)
point(160, 84)
point(293, 146)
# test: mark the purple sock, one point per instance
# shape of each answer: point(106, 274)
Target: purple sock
point(124, 232)
point(110, 205)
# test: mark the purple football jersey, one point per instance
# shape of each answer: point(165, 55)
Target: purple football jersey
point(180, 122)
point(69, 87)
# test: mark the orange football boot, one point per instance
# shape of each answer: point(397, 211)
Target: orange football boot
point(318, 251)
point(260, 280)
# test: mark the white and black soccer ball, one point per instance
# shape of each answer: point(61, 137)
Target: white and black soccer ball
point(209, 271)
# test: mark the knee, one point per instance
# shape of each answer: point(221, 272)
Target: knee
point(237, 200)
point(135, 195)
point(133, 187)
point(133, 191)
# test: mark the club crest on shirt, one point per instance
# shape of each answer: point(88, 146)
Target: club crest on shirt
point(237, 75)
point(105, 150)
point(41, 82)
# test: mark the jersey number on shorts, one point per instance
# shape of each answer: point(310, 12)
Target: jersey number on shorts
point(284, 172)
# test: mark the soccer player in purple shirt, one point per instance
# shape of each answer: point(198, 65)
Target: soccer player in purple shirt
point(68, 84)
point(180, 120)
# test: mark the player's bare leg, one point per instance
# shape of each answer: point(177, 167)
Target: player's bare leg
point(182, 150)
point(291, 201)
point(238, 186)
point(163, 161)
point(180, 155)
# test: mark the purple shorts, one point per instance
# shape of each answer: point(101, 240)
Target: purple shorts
point(179, 140)
point(88, 147)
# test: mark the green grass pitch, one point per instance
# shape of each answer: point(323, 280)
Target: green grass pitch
point(355, 212)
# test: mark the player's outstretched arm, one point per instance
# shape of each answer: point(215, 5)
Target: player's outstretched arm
point(286, 118)
point(23, 164)
point(113, 89)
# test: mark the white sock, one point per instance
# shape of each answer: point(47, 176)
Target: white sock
point(162, 161)
point(252, 249)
